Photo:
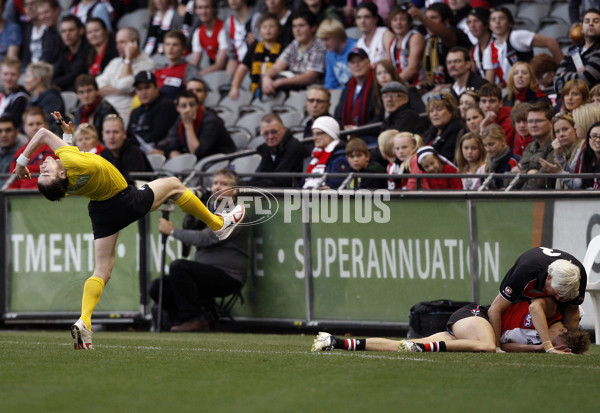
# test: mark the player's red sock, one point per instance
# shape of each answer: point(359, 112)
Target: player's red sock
point(434, 346)
point(353, 344)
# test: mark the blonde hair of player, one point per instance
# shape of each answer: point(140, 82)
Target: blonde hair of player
point(565, 278)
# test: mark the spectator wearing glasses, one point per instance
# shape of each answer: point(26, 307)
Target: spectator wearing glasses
point(590, 158)
point(446, 125)
point(281, 152)
point(328, 156)
point(318, 102)
point(539, 123)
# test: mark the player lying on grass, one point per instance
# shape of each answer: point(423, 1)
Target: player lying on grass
point(469, 329)
point(113, 206)
point(542, 272)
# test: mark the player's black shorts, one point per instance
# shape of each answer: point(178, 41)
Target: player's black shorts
point(114, 214)
point(469, 310)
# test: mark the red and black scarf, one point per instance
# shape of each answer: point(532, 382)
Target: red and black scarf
point(355, 112)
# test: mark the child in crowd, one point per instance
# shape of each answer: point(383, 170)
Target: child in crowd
point(500, 159)
point(433, 163)
point(467, 99)
point(405, 147)
point(260, 57)
point(359, 158)
point(518, 118)
point(470, 159)
point(490, 102)
point(595, 94)
point(473, 118)
point(385, 144)
point(86, 139)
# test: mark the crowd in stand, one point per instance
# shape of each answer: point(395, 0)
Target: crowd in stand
point(452, 87)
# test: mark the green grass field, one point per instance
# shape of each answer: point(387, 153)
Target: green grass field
point(223, 372)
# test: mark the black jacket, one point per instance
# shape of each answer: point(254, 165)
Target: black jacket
point(152, 122)
point(474, 81)
point(289, 157)
point(445, 143)
point(18, 101)
point(102, 110)
point(405, 119)
point(211, 134)
point(51, 45)
point(67, 69)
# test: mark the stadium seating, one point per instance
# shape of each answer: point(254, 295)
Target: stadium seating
point(156, 161)
point(70, 100)
point(246, 164)
point(353, 32)
point(217, 80)
point(241, 138)
point(250, 122)
point(138, 19)
point(179, 165)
